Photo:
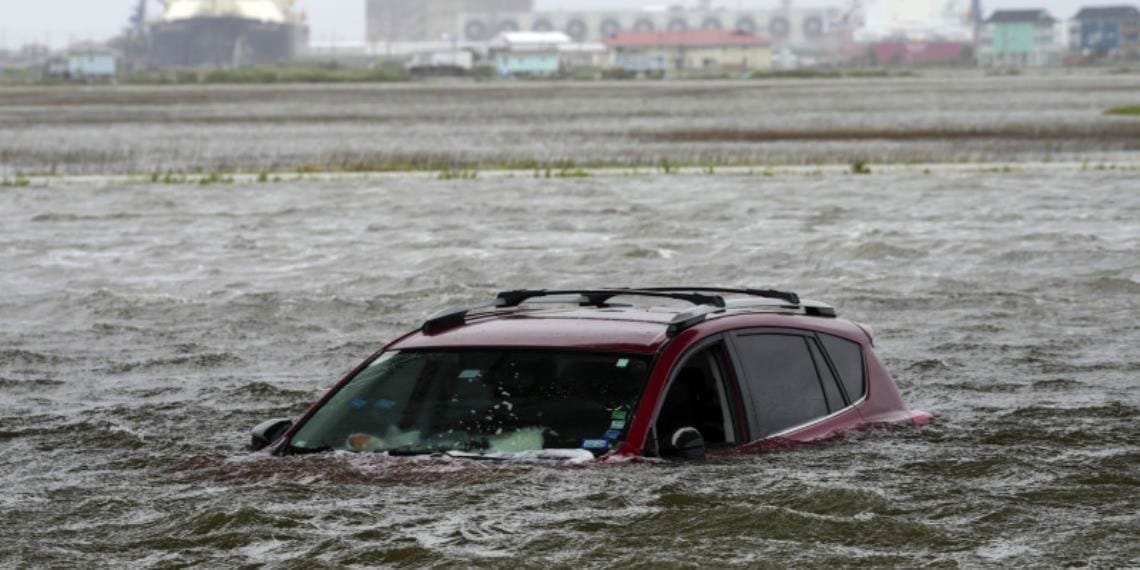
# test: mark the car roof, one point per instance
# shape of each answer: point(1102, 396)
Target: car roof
point(606, 329)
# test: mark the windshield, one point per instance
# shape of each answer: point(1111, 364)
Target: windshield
point(480, 401)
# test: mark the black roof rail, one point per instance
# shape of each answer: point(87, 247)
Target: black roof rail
point(454, 316)
point(809, 307)
point(601, 297)
point(749, 291)
point(691, 318)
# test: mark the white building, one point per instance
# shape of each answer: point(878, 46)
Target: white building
point(916, 20)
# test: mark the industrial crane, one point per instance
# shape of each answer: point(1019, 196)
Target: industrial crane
point(138, 19)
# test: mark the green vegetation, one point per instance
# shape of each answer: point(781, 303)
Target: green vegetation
point(1131, 111)
point(16, 77)
point(859, 73)
point(473, 172)
point(573, 173)
point(215, 178)
point(168, 177)
point(202, 179)
point(458, 174)
point(20, 181)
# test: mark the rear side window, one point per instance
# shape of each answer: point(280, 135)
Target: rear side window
point(827, 379)
point(782, 381)
point(848, 359)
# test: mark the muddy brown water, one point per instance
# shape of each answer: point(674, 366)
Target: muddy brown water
point(146, 327)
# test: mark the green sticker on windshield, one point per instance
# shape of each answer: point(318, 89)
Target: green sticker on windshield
point(617, 424)
point(470, 374)
point(623, 362)
point(619, 414)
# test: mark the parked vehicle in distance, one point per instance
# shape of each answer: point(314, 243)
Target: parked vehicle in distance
point(585, 373)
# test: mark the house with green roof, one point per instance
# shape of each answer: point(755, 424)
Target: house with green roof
point(1020, 38)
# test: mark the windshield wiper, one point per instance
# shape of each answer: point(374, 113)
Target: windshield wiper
point(473, 456)
point(412, 452)
point(442, 453)
point(294, 450)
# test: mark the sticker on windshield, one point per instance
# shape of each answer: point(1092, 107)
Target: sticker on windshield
point(470, 374)
point(619, 414)
point(613, 434)
point(617, 424)
point(595, 444)
point(622, 362)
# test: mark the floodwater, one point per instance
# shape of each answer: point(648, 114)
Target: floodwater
point(956, 118)
point(146, 327)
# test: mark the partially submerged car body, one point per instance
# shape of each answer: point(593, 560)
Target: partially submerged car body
point(728, 374)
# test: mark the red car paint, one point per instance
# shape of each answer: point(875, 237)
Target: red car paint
point(634, 330)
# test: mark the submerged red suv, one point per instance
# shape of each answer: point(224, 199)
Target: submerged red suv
point(586, 374)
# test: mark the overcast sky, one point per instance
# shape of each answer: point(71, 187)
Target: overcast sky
point(63, 21)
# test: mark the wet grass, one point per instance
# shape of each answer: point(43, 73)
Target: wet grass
point(173, 178)
point(458, 174)
point(19, 181)
point(563, 170)
point(1126, 133)
point(867, 73)
point(1130, 111)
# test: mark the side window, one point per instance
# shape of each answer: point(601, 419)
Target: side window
point(827, 379)
point(782, 380)
point(699, 397)
point(847, 357)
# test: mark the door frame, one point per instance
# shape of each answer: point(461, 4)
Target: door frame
point(734, 390)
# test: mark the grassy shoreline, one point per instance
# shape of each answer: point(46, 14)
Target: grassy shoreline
point(859, 168)
point(1129, 111)
point(395, 73)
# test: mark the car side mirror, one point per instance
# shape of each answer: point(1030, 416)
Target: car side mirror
point(687, 443)
point(268, 432)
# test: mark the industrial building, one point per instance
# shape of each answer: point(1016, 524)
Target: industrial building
point(417, 21)
point(225, 33)
point(1019, 38)
point(394, 26)
point(916, 21)
point(804, 29)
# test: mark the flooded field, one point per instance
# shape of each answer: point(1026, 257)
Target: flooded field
point(146, 327)
point(959, 118)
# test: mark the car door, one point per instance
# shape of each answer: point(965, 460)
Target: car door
point(703, 392)
point(787, 379)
